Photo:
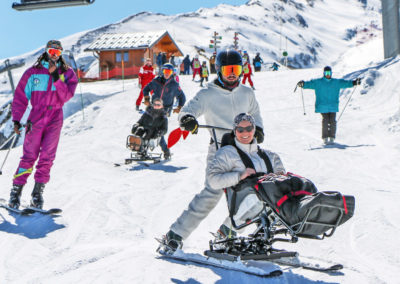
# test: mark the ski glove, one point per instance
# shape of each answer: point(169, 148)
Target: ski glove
point(357, 82)
point(55, 75)
point(177, 109)
point(189, 123)
point(300, 84)
point(140, 131)
point(146, 101)
point(17, 127)
point(259, 135)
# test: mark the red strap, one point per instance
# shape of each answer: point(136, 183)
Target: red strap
point(345, 205)
point(296, 193)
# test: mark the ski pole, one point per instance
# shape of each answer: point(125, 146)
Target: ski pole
point(346, 103)
point(8, 152)
point(302, 98)
point(8, 139)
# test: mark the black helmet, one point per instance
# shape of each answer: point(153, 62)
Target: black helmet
point(168, 66)
point(327, 68)
point(228, 57)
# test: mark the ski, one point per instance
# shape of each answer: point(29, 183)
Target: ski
point(306, 263)
point(51, 211)
point(25, 211)
point(266, 269)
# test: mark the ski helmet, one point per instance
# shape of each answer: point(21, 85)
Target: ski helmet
point(168, 66)
point(228, 57)
point(54, 44)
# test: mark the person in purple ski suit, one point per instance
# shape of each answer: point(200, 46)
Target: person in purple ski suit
point(48, 85)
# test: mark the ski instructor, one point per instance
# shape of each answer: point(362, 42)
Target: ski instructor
point(327, 91)
point(219, 102)
point(48, 85)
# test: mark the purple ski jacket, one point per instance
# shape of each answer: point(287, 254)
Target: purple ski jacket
point(37, 86)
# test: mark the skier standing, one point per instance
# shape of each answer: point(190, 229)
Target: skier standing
point(165, 87)
point(146, 74)
point(247, 73)
point(48, 85)
point(204, 73)
point(186, 63)
point(196, 66)
point(220, 102)
point(257, 61)
point(212, 63)
point(327, 91)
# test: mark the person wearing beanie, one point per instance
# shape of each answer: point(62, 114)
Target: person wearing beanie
point(47, 85)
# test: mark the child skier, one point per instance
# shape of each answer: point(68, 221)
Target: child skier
point(247, 73)
point(153, 123)
point(196, 67)
point(204, 73)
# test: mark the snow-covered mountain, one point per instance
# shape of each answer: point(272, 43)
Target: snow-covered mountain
point(112, 214)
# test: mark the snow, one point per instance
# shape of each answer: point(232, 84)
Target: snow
point(111, 215)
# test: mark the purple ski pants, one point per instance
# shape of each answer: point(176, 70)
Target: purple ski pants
point(40, 142)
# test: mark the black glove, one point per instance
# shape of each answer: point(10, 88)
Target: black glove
point(17, 127)
point(189, 123)
point(357, 82)
point(55, 75)
point(300, 84)
point(259, 135)
point(28, 127)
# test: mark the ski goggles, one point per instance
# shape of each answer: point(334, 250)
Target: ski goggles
point(327, 73)
point(158, 104)
point(54, 51)
point(241, 129)
point(167, 72)
point(229, 69)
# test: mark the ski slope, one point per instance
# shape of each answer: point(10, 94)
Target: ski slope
point(112, 214)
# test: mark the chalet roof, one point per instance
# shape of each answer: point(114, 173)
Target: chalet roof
point(109, 41)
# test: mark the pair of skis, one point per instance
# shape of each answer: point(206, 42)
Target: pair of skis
point(29, 210)
point(268, 267)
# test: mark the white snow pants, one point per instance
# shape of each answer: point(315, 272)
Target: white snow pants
point(201, 205)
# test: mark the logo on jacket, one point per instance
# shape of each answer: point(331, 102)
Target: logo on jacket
point(36, 81)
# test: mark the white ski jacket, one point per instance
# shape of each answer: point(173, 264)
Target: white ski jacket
point(226, 168)
point(220, 106)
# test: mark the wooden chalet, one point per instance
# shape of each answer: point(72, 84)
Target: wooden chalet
point(122, 55)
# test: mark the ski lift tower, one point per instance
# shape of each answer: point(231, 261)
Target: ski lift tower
point(28, 5)
point(8, 67)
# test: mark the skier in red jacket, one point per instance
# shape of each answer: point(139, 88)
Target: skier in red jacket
point(247, 72)
point(146, 74)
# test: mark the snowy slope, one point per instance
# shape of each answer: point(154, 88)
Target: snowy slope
point(112, 214)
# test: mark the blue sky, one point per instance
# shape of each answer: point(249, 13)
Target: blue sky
point(21, 32)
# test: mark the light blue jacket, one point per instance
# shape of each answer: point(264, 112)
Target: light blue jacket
point(327, 93)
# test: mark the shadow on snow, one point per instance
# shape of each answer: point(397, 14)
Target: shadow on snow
point(157, 167)
point(35, 226)
point(230, 276)
point(340, 146)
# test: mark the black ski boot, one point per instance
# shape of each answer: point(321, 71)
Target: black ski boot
point(15, 196)
point(173, 241)
point(167, 154)
point(37, 195)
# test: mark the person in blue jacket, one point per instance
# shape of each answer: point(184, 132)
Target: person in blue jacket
point(327, 91)
point(165, 88)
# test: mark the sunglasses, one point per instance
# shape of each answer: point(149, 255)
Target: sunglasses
point(54, 51)
point(229, 69)
point(167, 71)
point(328, 73)
point(159, 105)
point(244, 129)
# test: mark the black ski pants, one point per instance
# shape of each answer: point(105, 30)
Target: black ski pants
point(328, 125)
